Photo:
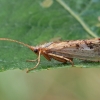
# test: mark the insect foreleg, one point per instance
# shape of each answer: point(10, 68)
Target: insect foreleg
point(38, 59)
point(61, 58)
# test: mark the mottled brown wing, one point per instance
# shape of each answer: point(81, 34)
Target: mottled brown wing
point(81, 49)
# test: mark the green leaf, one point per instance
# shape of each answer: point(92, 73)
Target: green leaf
point(37, 21)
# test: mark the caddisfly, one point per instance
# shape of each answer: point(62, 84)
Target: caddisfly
point(65, 51)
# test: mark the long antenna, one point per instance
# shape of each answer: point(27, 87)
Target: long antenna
point(6, 39)
point(30, 47)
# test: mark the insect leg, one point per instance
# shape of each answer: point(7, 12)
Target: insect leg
point(38, 59)
point(61, 58)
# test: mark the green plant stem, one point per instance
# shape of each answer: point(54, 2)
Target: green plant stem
point(77, 18)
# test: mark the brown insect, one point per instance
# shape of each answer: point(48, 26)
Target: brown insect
point(65, 51)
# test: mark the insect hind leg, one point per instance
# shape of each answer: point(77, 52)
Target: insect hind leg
point(61, 58)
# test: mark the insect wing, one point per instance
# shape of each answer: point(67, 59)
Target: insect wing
point(81, 49)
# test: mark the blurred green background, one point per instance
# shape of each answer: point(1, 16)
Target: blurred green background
point(35, 22)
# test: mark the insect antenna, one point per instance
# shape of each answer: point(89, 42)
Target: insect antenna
point(30, 47)
point(6, 39)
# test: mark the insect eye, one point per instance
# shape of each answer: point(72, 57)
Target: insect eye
point(36, 50)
